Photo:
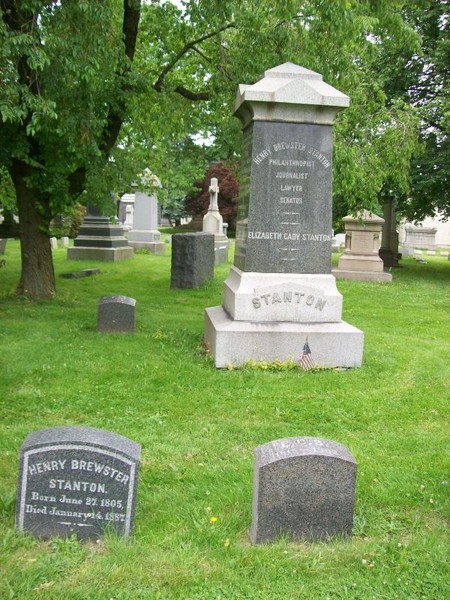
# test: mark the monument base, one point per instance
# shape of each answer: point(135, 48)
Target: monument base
point(281, 297)
point(103, 254)
point(153, 247)
point(143, 239)
point(236, 342)
point(380, 277)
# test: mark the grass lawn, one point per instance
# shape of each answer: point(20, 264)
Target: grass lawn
point(198, 427)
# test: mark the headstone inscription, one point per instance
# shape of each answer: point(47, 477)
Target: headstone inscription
point(116, 314)
point(304, 487)
point(280, 290)
point(77, 480)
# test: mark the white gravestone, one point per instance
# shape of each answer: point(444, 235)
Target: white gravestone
point(145, 234)
point(213, 223)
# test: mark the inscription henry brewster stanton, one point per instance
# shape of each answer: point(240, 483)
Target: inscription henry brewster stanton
point(77, 481)
point(280, 290)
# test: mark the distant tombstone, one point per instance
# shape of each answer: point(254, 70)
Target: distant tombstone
point(420, 237)
point(53, 243)
point(3, 245)
point(192, 259)
point(129, 213)
point(77, 481)
point(98, 239)
point(213, 223)
point(64, 241)
point(360, 260)
point(116, 314)
point(144, 234)
point(389, 240)
point(304, 488)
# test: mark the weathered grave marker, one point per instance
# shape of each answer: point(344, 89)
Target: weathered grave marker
point(304, 488)
point(77, 480)
point(192, 259)
point(116, 314)
point(213, 223)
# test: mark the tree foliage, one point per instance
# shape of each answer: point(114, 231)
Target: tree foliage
point(197, 203)
point(86, 104)
point(64, 95)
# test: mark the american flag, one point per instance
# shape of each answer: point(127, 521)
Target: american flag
point(305, 359)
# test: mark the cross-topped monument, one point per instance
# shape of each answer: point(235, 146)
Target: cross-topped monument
point(213, 195)
point(280, 290)
point(213, 223)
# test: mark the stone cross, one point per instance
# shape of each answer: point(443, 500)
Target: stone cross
point(213, 194)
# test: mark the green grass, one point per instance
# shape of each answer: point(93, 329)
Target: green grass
point(198, 427)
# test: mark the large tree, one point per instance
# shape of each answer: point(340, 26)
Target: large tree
point(426, 82)
point(205, 50)
point(66, 81)
point(77, 102)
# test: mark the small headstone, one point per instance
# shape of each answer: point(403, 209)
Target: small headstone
point(53, 243)
point(77, 480)
point(116, 314)
point(64, 241)
point(3, 245)
point(304, 488)
point(192, 259)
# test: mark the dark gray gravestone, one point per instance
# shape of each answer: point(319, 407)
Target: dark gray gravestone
point(304, 488)
point(284, 219)
point(116, 314)
point(192, 259)
point(77, 480)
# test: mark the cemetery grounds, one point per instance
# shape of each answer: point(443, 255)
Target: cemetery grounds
point(199, 426)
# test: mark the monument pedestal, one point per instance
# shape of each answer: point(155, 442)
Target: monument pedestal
point(236, 342)
point(270, 316)
point(98, 239)
point(147, 240)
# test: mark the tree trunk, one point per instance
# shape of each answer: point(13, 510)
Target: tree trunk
point(37, 279)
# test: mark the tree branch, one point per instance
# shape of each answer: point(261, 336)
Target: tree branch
point(180, 89)
point(160, 81)
point(130, 25)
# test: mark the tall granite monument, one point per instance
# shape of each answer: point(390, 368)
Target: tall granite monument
point(280, 291)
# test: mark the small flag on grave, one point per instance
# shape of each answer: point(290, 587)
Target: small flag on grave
point(305, 359)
